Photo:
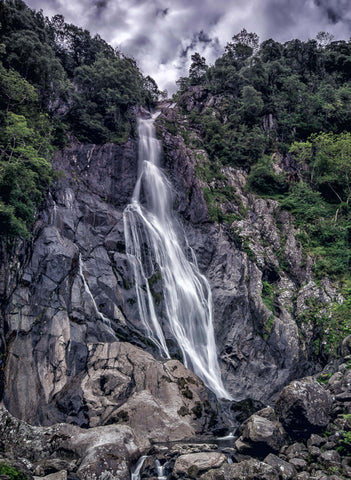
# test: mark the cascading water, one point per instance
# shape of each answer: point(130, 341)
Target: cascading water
point(156, 249)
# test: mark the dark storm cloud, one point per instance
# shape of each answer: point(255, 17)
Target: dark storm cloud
point(162, 12)
point(335, 10)
point(100, 6)
point(163, 34)
point(198, 38)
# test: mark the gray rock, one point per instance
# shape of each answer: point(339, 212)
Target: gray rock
point(96, 450)
point(285, 470)
point(260, 434)
point(303, 476)
point(298, 463)
point(297, 450)
point(62, 475)
point(304, 407)
point(330, 458)
point(315, 440)
point(194, 464)
point(314, 451)
point(246, 470)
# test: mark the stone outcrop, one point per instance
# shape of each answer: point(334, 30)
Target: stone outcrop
point(304, 407)
point(87, 454)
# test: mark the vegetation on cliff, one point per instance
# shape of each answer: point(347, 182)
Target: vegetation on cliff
point(282, 112)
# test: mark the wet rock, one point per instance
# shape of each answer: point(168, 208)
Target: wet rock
point(249, 359)
point(193, 464)
point(304, 407)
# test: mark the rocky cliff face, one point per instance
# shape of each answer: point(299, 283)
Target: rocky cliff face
point(74, 349)
point(260, 343)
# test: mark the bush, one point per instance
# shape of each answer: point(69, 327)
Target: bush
point(263, 180)
point(12, 472)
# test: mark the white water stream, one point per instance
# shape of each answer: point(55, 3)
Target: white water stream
point(135, 475)
point(156, 249)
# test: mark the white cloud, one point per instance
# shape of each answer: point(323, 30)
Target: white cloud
point(163, 34)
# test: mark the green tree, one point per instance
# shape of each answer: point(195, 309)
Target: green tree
point(198, 69)
point(243, 46)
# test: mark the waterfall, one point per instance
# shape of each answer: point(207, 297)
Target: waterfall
point(158, 252)
point(160, 470)
point(135, 474)
point(88, 291)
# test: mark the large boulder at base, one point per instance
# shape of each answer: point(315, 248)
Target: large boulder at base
point(251, 469)
point(261, 433)
point(304, 407)
point(121, 384)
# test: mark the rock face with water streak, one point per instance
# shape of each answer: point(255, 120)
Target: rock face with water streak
point(66, 315)
point(74, 347)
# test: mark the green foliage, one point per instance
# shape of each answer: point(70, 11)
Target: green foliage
point(55, 81)
point(268, 326)
point(80, 79)
point(25, 151)
point(263, 180)
point(197, 69)
point(12, 472)
point(326, 240)
point(106, 91)
point(324, 378)
point(331, 324)
point(268, 295)
point(345, 443)
point(303, 87)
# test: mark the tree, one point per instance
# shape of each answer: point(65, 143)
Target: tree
point(198, 69)
point(251, 104)
point(243, 46)
point(324, 38)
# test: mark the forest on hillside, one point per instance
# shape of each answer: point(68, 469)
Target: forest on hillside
point(57, 83)
point(290, 100)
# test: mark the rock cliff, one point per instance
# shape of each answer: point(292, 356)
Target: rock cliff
point(74, 349)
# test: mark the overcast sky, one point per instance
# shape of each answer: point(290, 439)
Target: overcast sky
point(163, 34)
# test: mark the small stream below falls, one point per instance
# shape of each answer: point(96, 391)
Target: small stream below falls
point(159, 463)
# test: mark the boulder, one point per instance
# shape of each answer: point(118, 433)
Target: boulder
point(61, 475)
point(251, 469)
point(193, 464)
point(110, 448)
point(304, 407)
point(331, 458)
point(261, 433)
point(285, 470)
